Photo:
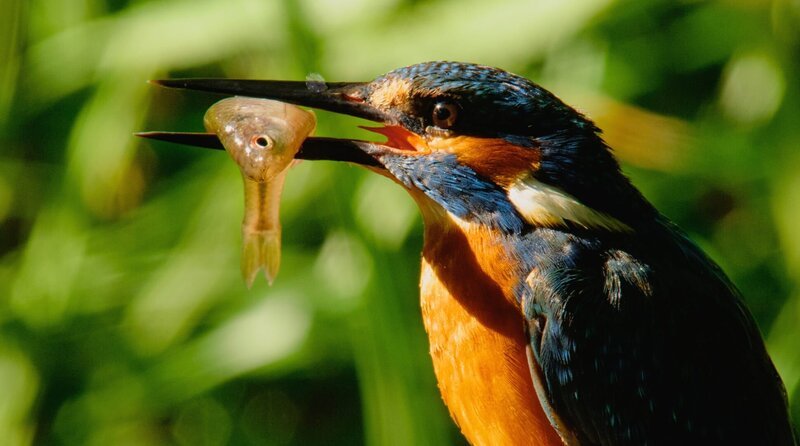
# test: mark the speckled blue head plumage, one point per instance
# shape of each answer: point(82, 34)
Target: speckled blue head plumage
point(527, 108)
point(497, 104)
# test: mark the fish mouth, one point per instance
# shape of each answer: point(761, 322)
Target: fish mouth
point(349, 98)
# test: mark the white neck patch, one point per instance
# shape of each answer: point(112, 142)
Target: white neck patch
point(543, 205)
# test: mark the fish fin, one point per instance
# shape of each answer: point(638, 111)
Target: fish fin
point(261, 250)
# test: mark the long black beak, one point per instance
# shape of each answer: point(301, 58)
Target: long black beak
point(313, 148)
point(339, 97)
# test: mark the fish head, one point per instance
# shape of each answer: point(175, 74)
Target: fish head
point(261, 135)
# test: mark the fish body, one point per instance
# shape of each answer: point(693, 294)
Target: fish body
point(262, 136)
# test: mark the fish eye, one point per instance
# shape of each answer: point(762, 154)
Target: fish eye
point(444, 114)
point(261, 141)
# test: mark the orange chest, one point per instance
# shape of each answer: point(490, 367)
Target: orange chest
point(477, 341)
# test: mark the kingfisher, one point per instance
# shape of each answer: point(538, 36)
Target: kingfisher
point(561, 307)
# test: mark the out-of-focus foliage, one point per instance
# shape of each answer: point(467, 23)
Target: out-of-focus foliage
point(123, 319)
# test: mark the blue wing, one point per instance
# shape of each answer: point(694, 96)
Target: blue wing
point(634, 345)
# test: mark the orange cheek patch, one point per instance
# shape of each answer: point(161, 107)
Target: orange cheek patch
point(492, 158)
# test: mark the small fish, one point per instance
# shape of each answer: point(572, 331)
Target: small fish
point(262, 136)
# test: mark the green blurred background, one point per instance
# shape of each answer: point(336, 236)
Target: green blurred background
point(123, 316)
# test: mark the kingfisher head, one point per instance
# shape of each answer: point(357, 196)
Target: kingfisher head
point(476, 142)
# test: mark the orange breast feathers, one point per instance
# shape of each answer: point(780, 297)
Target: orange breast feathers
point(476, 335)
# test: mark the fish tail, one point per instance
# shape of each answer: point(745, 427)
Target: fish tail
point(261, 250)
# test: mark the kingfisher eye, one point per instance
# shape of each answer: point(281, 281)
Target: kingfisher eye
point(444, 114)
